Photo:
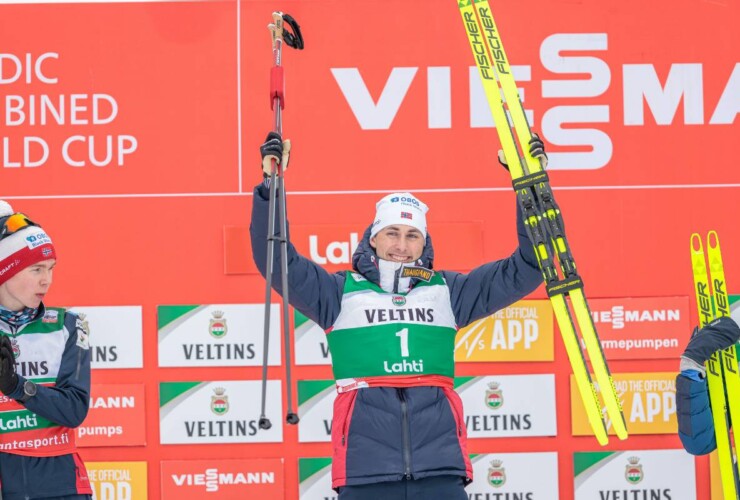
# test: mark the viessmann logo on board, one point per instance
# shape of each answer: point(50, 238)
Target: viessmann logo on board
point(258, 478)
point(645, 93)
point(116, 416)
point(213, 479)
point(641, 328)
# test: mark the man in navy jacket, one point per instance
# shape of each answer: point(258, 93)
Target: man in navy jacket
point(398, 427)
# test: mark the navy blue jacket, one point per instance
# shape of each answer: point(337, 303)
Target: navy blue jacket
point(388, 433)
point(695, 425)
point(695, 422)
point(66, 404)
point(317, 294)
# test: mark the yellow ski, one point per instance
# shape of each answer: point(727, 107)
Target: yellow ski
point(543, 220)
point(722, 367)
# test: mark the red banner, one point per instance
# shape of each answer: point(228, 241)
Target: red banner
point(116, 416)
point(130, 131)
point(223, 479)
point(642, 328)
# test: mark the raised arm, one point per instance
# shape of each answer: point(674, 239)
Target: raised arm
point(495, 285)
point(312, 290)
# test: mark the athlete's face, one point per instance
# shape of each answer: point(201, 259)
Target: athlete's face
point(398, 243)
point(28, 287)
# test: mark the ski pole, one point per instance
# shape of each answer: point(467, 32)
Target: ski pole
point(277, 182)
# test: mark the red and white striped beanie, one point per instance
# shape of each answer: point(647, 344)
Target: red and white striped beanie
point(21, 249)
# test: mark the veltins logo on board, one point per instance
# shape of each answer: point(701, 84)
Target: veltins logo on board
point(117, 341)
point(201, 335)
point(219, 401)
point(197, 479)
point(494, 396)
point(509, 476)
point(203, 412)
point(497, 474)
point(217, 325)
point(529, 409)
point(633, 470)
point(653, 474)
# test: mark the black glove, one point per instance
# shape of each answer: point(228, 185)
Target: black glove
point(536, 149)
point(274, 148)
point(717, 335)
point(8, 378)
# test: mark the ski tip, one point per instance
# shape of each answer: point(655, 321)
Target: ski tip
point(696, 245)
point(712, 239)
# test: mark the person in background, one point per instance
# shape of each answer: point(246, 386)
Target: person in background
point(398, 428)
point(44, 371)
point(695, 424)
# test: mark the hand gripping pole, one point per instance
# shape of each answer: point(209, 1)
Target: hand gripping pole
point(277, 185)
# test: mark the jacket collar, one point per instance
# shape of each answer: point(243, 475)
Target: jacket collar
point(366, 262)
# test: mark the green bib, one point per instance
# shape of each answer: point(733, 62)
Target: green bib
point(391, 334)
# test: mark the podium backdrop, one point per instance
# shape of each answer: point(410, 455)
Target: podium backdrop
point(130, 131)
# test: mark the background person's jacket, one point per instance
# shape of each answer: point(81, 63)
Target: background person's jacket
point(693, 408)
point(38, 455)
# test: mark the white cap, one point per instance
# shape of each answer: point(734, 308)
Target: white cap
point(400, 208)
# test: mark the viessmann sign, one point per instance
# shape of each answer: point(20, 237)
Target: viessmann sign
point(642, 328)
point(587, 89)
point(223, 479)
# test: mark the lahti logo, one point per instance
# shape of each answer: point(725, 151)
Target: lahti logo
point(633, 470)
point(217, 327)
point(496, 474)
point(399, 300)
point(219, 401)
point(494, 396)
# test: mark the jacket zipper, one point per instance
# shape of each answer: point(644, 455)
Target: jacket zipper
point(405, 434)
point(25, 482)
point(396, 277)
point(14, 331)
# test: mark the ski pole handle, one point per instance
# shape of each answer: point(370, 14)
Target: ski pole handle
point(277, 80)
point(281, 35)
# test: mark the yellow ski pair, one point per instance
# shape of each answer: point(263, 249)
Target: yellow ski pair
point(722, 368)
point(543, 221)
